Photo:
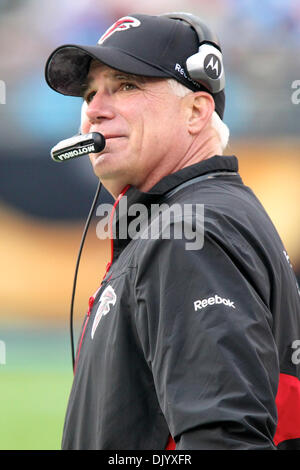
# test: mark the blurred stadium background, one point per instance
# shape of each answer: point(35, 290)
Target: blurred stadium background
point(43, 206)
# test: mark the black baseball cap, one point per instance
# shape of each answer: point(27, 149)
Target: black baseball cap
point(151, 46)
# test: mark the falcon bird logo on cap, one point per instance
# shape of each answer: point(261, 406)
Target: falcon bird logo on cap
point(108, 297)
point(121, 25)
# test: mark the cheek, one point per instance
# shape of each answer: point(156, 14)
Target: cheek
point(134, 117)
point(161, 126)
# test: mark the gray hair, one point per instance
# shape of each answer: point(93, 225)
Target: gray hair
point(216, 122)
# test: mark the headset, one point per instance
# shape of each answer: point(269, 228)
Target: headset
point(206, 67)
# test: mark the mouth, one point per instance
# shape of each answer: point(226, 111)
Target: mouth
point(108, 148)
point(109, 137)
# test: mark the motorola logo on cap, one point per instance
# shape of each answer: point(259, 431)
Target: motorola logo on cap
point(212, 66)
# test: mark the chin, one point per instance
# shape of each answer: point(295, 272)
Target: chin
point(106, 169)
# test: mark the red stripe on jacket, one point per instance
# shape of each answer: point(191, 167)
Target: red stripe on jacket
point(170, 444)
point(288, 408)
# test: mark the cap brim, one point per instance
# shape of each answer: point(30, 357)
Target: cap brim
point(67, 67)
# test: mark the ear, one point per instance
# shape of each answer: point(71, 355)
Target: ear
point(200, 105)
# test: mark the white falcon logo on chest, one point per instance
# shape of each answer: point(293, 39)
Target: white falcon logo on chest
point(108, 298)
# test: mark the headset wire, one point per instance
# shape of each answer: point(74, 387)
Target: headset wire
point(88, 220)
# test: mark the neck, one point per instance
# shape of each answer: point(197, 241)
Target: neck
point(200, 148)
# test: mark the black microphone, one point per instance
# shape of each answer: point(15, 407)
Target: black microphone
point(77, 146)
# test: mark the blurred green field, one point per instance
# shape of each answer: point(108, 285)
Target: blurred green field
point(34, 387)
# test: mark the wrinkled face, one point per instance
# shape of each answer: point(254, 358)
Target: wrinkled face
point(142, 121)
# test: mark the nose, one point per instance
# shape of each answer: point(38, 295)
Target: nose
point(100, 108)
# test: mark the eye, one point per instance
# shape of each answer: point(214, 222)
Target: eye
point(88, 98)
point(127, 86)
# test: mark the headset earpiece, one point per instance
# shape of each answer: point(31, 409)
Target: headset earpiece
point(206, 66)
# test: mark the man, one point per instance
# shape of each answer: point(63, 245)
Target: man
point(192, 339)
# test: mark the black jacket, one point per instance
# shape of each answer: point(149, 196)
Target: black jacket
point(197, 344)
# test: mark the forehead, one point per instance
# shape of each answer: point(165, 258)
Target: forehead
point(101, 72)
point(98, 69)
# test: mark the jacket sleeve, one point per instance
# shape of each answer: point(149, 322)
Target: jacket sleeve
point(207, 337)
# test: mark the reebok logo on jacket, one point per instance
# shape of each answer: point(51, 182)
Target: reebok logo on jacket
point(199, 304)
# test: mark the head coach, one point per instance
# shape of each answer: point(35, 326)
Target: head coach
point(182, 347)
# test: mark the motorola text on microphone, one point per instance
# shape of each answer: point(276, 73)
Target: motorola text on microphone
point(78, 146)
